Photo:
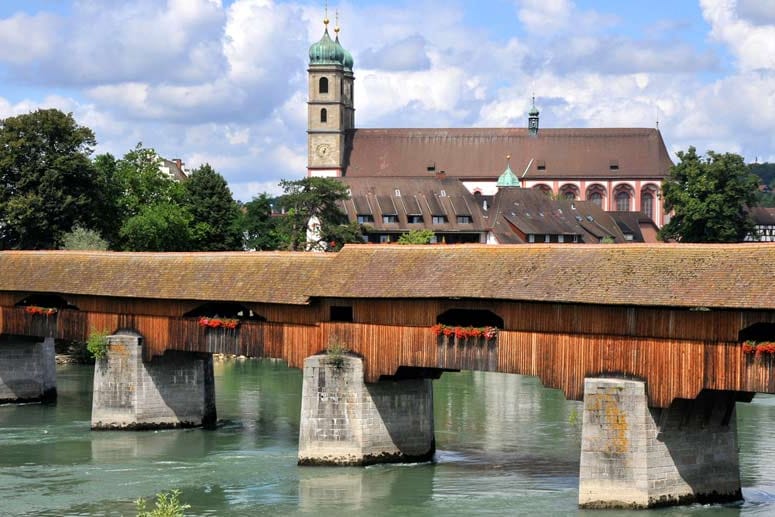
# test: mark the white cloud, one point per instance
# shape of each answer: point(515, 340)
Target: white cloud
point(753, 45)
point(24, 38)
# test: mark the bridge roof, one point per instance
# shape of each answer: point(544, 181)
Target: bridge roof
point(677, 275)
point(271, 277)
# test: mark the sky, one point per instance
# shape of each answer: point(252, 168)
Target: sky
point(224, 81)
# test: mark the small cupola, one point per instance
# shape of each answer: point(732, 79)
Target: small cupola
point(532, 119)
point(508, 178)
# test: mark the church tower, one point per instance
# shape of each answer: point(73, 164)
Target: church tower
point(330, 108)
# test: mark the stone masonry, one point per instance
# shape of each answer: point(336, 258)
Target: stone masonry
point(345, 421)
point(633, 456)
point(175, 390)
point(27, 370)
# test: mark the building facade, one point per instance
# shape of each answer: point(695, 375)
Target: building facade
point(618, 169)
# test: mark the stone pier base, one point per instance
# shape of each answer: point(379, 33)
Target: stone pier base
point(175, 390)
point(345, 421)
point(27, 371)
point(633, 456)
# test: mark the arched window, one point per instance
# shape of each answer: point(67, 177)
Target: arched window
point(323, 115)
point(647, 204)
point(623, 201)
point(569, 192)
point(544, 189)
point(597, 194)
point(323, 85)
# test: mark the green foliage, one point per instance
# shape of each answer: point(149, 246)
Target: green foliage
point(709, 196)
point(97, 344)
point(607, 240)
point(167, 505)
point(336, 352)
point(49, 182)
point(320, 197)
point(215, 214)
point(416, 237)
point(764, 171)
point(259, 227)
point(82, 239)
point(162, 226)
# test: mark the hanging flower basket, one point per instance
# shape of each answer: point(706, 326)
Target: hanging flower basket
point(45, 311)
point(214, 323)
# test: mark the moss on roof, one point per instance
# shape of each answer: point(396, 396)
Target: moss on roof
point(713, 276)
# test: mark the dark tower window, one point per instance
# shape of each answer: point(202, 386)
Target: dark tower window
point(323, 85)
point(323, 115)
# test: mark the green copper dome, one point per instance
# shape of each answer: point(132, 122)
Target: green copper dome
point(326, 51)
point(347, 60)
point(508, 178)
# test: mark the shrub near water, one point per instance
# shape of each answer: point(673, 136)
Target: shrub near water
point(167, 505)
point(97, 344)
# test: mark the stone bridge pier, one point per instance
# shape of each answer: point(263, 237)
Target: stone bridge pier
point(633, 456)
point(27, 370)
point(345, 421)
point(174, 390)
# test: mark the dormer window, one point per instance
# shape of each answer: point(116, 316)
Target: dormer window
point(541, 165)
point(397, 193)
point(613, 165)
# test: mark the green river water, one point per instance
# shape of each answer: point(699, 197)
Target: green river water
point(506, 446)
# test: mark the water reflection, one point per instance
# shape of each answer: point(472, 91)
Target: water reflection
point(505, 446)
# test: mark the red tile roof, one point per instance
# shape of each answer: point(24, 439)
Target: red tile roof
point(478, 153)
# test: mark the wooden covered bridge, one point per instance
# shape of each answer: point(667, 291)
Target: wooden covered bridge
point(667, 321)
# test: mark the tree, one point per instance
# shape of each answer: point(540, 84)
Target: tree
point(216, 216)
point(83, 239)
point(319, 197)
point(416, 237)
point(158, 227)
point(48, 180)
point(710, 197)
point(259, 227)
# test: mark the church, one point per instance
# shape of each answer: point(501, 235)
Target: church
point(450, 180)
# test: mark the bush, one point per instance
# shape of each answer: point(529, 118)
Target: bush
point(97, 344)
point(167, 505)
point(336, 352)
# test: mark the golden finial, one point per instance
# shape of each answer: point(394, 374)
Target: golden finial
point(508, 157)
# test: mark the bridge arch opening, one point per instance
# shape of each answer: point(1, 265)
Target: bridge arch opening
point(758, 332)
point(46, 300)
point(224, 310)
point(470, 318)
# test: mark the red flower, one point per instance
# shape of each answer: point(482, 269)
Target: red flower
point(215, 323)
point(34, 309)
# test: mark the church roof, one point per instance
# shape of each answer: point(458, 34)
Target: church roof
point(477, 153)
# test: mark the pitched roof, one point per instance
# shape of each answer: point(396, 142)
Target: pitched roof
point(673, 275)
point(532, 212)
point(271, 277)
point(404, 197)
point(677, 275)
point(478, 153)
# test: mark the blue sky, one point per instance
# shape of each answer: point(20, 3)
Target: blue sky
point(224, 82)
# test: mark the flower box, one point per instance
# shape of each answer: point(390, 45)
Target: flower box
point(44, 311)
point(214, 323)
point(463, 333)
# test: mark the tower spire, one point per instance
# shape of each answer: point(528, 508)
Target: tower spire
point(532, 119)
point(326, 20)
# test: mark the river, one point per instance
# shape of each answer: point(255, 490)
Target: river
point(506, 446)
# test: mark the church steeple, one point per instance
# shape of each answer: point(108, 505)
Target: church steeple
point(532, 119)
point(330, 113)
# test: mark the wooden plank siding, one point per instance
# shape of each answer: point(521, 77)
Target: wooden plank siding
point(677, 351)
